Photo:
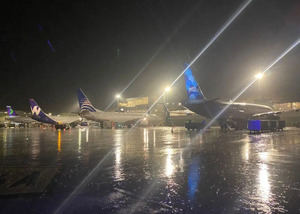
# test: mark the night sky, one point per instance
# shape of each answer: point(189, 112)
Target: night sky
point(51, 48)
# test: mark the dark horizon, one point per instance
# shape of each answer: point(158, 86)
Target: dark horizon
point(48, 50)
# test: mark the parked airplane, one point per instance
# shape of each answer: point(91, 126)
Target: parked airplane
point(235, 116)
point(89, 112)
point(13, 117)
point(60, 121)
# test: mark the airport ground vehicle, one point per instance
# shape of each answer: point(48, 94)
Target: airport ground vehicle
point(258, 126)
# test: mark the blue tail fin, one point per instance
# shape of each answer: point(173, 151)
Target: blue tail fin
point(193, 90)
point(10, 111)
point(84, 103)
point(38, 114)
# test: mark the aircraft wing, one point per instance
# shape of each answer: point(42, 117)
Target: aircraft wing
point(179, 113)
point(270, 113)
point(66, 119)
point(273, 113)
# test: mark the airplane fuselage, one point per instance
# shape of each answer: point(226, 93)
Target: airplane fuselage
point(119, 117)
point(238, 111)
point(20, 119)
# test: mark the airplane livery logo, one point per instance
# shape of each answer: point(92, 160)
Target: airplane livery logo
point(35, 110)
point(86, 105)
point(192, 88)
point(193, 93)
point(10, 111)
point(86, 102)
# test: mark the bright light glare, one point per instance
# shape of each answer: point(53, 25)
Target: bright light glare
point(212, 40)
point(167, 89)
point(249, 85)
point(259, 76)
point(118, 96)
point(160, 48)
point(83, 184)
point(264, 183)
point(169, 167)
point(95, 170)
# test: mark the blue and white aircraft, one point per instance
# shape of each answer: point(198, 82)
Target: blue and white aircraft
point(59, 121)
point(13, 117)
point(89, 112)
point(234, 116)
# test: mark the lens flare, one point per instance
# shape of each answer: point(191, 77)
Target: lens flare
point(96, 168)
point(249, 85)
point(50, 46)
point(213, 39)
point(259, 76)
point(83, 183)
point(157, 52)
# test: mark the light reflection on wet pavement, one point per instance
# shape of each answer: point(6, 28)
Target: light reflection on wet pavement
point(152, 170)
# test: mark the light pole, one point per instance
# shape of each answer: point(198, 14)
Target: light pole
point(118, 96)
point(258, 77)
point(167, 90)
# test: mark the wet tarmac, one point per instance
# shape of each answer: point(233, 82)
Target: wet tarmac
point(148, 170)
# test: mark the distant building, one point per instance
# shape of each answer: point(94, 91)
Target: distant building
point(134, 104)
point(286, 106)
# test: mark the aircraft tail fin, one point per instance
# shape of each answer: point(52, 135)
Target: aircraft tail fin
point(10, 111)
point(193, 90)
point(38, 114)
point(84, 103)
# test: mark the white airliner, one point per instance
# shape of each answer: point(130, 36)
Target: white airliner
point(60, 121)
point(13, 117)
point(89, 112)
